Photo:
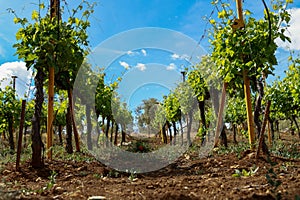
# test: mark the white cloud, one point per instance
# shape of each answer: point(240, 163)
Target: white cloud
point(293, 31)
point(180, 57)
point(171, 66)
point(124, 64)
point(144, 52)
point(133, 53)
point(175, 56)
point(18, 69)
point(141, 66)
point(130, 53)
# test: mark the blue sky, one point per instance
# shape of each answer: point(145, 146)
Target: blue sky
point(112, 17)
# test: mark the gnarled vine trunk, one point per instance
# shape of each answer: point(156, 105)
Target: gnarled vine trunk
point(123, 127)
point(89, 127)
point(175, 132)
point(295, 121)
point(257, 112)
point(10, 133)
point(116, 135)
point(75, 131)
point(69, 146)
point(37, 144)
point(201, 105)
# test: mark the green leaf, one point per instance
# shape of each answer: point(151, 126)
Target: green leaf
point(42, 6)
point(247, 12)
point(212, 21)
point(19, 34)
point(222, 14)
point(245, 173)
point(77, 21)
point(16, 20)
point(34, 15)
point(236, 175)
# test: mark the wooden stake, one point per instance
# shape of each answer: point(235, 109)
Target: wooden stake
point(50, 112)
point(54, 4)
point(247, 90)
point(19, 148)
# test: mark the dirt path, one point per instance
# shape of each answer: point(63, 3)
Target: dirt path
point(188, 178)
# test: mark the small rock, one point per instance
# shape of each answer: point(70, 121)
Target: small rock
point(38, 179)
point(76, 194)
point(234, 167)
point(96, 197)
point(150, 187)
point(82, 168)
point(5, 172)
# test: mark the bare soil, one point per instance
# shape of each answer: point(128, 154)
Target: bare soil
point(188, 178)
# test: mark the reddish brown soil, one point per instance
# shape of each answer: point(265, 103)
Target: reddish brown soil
point(188, 178)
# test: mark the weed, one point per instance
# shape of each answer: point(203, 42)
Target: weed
point(271, 177)
point(52, 180)
point(60, 152)
point(132, 175)
point(244, 172)
point(113, 174)
point(236, 148)
point(287, 151)
point(272, 180)
point(97, 176)
point(199, 172)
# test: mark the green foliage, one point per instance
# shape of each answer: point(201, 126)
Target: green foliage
point(29, 112)
point(10, 108)
point(146, 113)
point(121, 113)
point(209, 72)
point(160, 118)
point(284, 94)
point(237, 149)
point(249, 48)
point(284, 150)
point(53, 43)
point(172, 107)
point(235, 110)
point(60, 108)
point(198, 84)
point(186, 97)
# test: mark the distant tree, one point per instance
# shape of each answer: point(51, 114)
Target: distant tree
point(145, 114)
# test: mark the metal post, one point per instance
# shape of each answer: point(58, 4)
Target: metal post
point(14, 81)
